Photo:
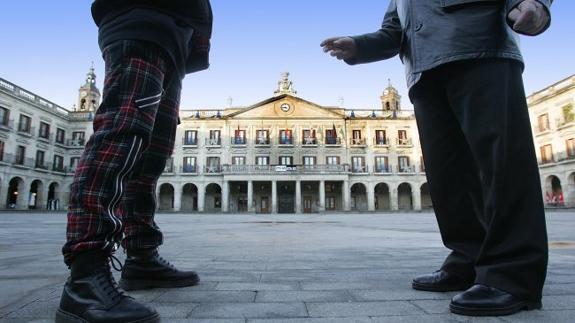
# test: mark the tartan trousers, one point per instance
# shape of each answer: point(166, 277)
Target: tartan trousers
point(112, 198)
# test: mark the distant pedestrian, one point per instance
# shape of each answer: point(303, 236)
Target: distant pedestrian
point(148, 47)
point(463, 67)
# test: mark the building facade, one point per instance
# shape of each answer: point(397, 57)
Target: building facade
point(552, 113)
point(282, 155)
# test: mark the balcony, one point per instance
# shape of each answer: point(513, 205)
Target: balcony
point(59, 168)
point(262, 142)
point(286, 142)
point(238, 141)
point(285, 170)
point(309, 142)
point(78, 142)
point(383, 170)
point(47, 138)
point(189, 169)
point(8, 125)
point(19, 161)
point(359, 169)
point(565, 122)
point(358, 142)
point(406, 169)
point(404, 142)
point(213, 142)
point(332, 142)
point(542, 129)
point(190, 142)
point(381, 142)
point(27, 132)
point(213, 170)
point(41, 166)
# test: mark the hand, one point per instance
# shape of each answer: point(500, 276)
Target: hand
point(529, 17)
point(340, 47)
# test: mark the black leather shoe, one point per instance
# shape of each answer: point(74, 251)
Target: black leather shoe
point(145, 269)
point(481, 300)
point(92, 295)
point(440, 281)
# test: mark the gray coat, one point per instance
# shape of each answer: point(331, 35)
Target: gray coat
point(429, 33)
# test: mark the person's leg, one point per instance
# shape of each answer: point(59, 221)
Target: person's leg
point(453, 180)
point(488, 99)
point(122, 130)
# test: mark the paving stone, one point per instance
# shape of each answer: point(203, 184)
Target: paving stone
point(252, 310)
point(361, 309)
point(315, 320)
point(257, 286)
point(303, 296)
point(178, 296)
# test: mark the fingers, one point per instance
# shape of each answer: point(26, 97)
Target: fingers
point(514, 14)
point(329, 41)
point(528, 17)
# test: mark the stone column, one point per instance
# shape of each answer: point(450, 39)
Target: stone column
point(226, 197)
point(201, 197)
point(321, 196)
point(416, 198)
point(370, 197)
point(298, 208)
point(274, 197)
point(4, 195)
point(393, 199)
point(346, 196)
point(177, 198)
point(251, 208)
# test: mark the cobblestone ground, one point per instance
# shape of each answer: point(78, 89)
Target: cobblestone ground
point(332, 268)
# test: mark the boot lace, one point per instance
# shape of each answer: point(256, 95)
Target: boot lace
point(107, 281)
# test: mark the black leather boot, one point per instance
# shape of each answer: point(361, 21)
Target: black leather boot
point(92, 295)
point(145, 269)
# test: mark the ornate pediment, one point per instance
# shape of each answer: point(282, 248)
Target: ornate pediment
point(286, 106)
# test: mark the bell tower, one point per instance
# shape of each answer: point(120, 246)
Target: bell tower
point(88, 94)
point(390, 100)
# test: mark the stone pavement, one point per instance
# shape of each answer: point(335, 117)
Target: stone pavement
point(335, 268)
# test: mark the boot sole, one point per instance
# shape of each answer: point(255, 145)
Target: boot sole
point(470, 311)
point(65, 317)
point(438, 288)
point(130, 284)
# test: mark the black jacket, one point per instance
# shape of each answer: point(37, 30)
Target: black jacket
point(168, 32)
point(429, 33)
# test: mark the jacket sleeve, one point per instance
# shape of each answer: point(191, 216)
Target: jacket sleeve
point(510, 4)
point(382, 44)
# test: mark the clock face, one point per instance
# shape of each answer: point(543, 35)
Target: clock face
point(84, 93)
point(285, 107)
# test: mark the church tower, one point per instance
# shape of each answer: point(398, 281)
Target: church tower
point(390, 100)
point(88, 94)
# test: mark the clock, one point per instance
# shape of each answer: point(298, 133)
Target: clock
point(83, 93)
point(285, 107)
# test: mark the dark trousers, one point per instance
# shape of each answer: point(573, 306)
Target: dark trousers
point(113, 195)
point(482, 173)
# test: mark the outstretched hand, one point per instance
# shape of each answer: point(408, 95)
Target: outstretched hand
point(529, 17)
point(340, 47)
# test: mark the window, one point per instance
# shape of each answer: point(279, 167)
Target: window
point(286, 137)
point(24, 125)
point(20, 155)
point(78, 138)
point(238, 160)
point(402, 137)
point(543, 122)
point(403, 162)
point(39, 159)
point(74, 162)
point(58, 163)
point(189, 165)
point(568, 114)
point(421, 164)
point(169, 165)
point(331, 136)
point(239, 137)
point(308, 136)
point(332, 160)
point(381, 164)
point(380, 138)
point(286, 160)
point(546, 154)
point(213, 165)
point(262, 137)
point(308, 161)
point(262, 160)
point(191, 137)
point(330, 203)
point(358, 164)
point(570, 143)
point(1, 151)
point(356, 137)
point(4, 116)
point(214, 138)
point(60, 136)
point(44, 130)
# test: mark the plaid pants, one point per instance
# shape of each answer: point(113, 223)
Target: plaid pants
point(113, 193)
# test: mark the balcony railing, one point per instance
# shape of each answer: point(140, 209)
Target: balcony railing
point(213, 169)
point(406, 169)
point(309, 141)
point(189, 141)
point(357, 169)
point(382, 169)
point(283, 169)
point(47, 138)
point(329, 141)
point(41, 165)
point(262, 141)
point(189, 169)
point(25, 131)
point(557, 158)
point(286, 141)
point(75, 142)
point(404, 142)
point(8, 125)
point(213, 142)
point(565, 121)
point(59, 168)
point(381, 142)
point(357, 142)
point(239, 141)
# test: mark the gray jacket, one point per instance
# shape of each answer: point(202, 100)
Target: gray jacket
point(429, 33)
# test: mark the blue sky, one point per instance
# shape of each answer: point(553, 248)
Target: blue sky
point(48, 46)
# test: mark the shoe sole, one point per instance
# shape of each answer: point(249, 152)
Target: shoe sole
point(435, 288)
point(130, 284)
point(65, 317)
point(470, 311)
